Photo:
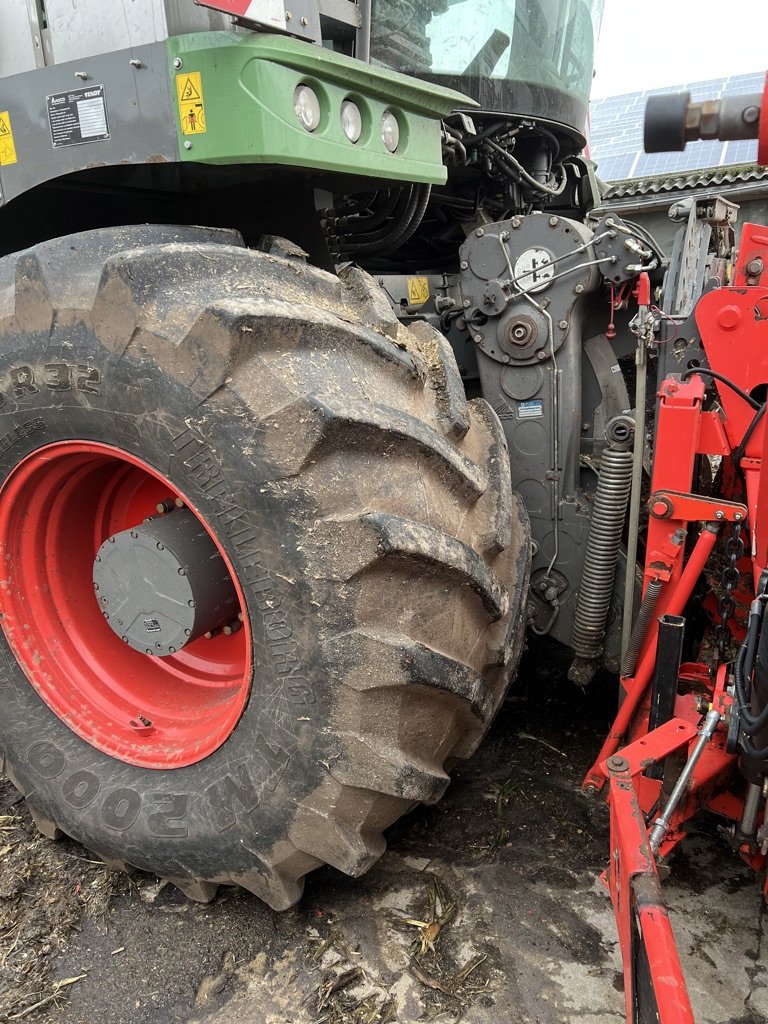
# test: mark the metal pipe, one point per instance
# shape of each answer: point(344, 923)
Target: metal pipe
point(363, 34)
point(748, 823)
point(676, 601)
point(641, 363)
point(661, 825)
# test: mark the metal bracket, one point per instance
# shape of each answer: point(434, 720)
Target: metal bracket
point(694, 508)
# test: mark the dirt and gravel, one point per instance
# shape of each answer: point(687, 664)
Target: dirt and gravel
point(486, 909)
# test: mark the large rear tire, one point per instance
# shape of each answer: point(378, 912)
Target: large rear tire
point(362, 505)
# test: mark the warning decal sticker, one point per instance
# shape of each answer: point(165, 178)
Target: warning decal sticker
point(7, 147)
point(189, 90)
point(78, 116)
point(418, 290)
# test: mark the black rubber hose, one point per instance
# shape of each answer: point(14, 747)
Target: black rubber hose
point(755, 755)
point(738, 454)
point(374, 240)
point(742, 671)
point(409, 231)
point(704, 371)
point(375, 220)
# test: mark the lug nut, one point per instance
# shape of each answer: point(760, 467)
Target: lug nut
point(232, 627)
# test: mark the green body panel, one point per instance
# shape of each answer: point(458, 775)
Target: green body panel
point(248, 83)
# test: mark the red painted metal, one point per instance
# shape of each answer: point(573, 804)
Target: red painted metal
point(237, 8)
point(734, 329)
point(762, 137)
point(639, 907)
point(56, 509)
point(672, 602)
point(695, 508)
point(753, 245)
point(255, 11)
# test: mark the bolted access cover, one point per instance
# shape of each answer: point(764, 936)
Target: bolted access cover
point(163, 584)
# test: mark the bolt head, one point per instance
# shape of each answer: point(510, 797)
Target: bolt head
point(616, 763)
point(463, 264)
point(719, 514)
point(729, 318)
point(504, 236)
point(553, 222)
point(737, 516)
point(178, 63)
point(480, 232)
point(579, 289)
point(187, 144)
point(563, 324)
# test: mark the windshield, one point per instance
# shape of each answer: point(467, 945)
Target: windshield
point(532, 57)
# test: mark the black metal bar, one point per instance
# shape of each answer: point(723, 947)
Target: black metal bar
point(664, 686)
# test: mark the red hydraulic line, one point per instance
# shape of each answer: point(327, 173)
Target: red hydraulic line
point(675, 604)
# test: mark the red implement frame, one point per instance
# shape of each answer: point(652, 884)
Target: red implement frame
point(734, 329)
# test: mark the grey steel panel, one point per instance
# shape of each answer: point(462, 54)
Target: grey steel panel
point(84, 28)
point(17, 52)
point(141, 116)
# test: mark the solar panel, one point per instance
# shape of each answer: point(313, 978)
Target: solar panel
point(616, 132)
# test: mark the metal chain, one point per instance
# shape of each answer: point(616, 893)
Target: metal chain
point(729, 578)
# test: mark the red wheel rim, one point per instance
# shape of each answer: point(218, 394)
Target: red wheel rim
point(56, 509)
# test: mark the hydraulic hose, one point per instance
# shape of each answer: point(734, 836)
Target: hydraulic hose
point(409, 231)
point(704, 371)
point(363, 225)
point(597, 580)
point(403, 212)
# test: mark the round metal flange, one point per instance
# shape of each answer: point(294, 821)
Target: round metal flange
point(163, 583)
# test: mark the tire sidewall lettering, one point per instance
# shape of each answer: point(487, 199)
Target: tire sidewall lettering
point(135, 409)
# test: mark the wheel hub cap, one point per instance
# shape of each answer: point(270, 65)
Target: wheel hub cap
point(163, 584)
point(70, 503)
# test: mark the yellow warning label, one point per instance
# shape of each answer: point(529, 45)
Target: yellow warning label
point(418, 290)
point(189, 90)
point(7, 147)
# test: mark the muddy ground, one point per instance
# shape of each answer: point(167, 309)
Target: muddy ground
point(504, 870)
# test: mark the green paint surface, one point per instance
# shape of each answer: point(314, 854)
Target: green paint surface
point(248, 83)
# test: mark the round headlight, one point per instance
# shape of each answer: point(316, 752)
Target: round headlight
point(351, 120)
point(307, 107)
point(390, 131)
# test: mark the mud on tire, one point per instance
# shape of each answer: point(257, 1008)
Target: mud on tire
point(363, 502)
